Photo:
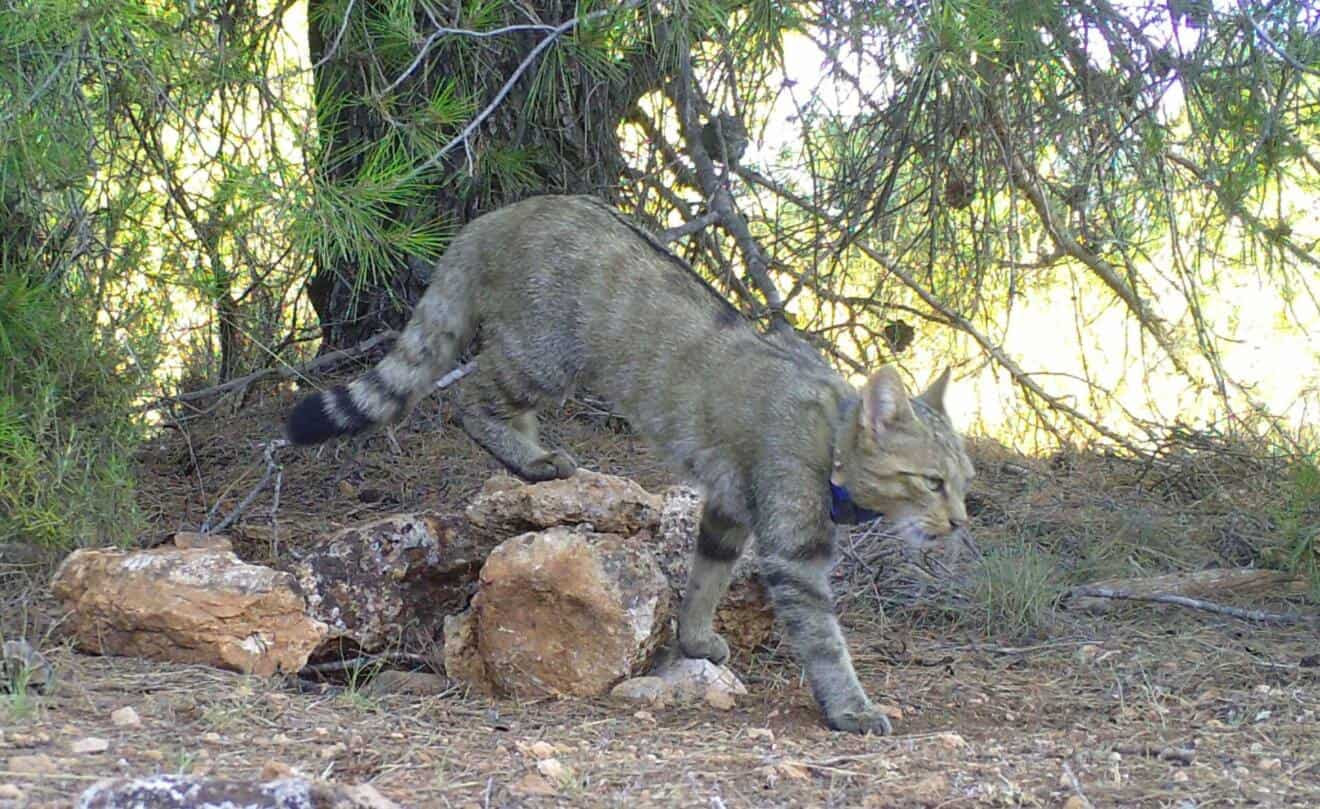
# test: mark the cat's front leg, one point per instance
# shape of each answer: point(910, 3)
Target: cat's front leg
point(796, 554)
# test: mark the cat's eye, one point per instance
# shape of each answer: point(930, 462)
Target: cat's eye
point(934, 483)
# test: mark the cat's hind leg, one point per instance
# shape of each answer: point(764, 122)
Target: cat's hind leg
point(500, 415)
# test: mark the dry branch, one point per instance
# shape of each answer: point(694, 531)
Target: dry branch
point(1191, 589)
point(324, 362)
point(682, 92)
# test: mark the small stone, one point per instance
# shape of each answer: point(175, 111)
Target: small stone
point(9, 792)
point(892, 711)
point(1270, 764)
point(1181, 777)
point(719, 698)
point(1074, 802)
point(39, 764)
point(334, 750)
point(276, 769)
point(689, 679)
point(644, 716)
point(211, 737)
point(795, 770)
point(125, 717)
point(1115, 757)
point(532, 784)
point(152, 754)
point(951, 741)
point(90, 745)
point(541, 749)
point(552, 768)
point(761, 733)
point(651, 690)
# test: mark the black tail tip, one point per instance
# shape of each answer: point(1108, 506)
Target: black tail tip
point(309, 423)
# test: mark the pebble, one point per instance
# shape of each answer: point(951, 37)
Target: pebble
point(89, 745)
point(125, 717)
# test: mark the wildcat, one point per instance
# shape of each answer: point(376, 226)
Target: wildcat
point(566, 291)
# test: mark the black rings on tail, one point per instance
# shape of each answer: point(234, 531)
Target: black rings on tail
point(323, 416)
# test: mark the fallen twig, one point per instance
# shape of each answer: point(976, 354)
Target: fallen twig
point(1259, 616)
point(1179, 754)
point(272, 468)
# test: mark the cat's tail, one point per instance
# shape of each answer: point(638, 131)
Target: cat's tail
point(441, 325)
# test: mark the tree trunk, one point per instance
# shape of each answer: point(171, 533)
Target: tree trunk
point(566, 139)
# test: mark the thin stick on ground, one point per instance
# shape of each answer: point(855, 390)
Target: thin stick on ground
point(1259, 616)
point(272, 466)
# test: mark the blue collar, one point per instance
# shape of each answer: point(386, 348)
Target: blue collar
point(844, 511)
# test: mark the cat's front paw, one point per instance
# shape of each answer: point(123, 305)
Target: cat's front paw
point(550, 466)
point(710, 646)
point(865, 718)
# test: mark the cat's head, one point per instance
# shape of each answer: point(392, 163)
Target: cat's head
point(903, 459)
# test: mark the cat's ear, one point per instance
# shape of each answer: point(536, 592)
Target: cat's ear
point(934, 395)
point(885, 402)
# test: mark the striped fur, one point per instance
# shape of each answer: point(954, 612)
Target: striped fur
point(566, 292)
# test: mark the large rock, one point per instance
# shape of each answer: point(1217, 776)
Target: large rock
point(187, 605)
point(566, 611)
point(185, 792)
point(609, 504)
point(391, 582)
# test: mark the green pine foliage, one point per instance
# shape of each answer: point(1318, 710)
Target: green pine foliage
point(66, 426)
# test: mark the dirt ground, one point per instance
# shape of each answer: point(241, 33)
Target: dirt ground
point(1144, 707)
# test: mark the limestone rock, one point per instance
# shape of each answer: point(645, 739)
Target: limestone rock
point(689, 680)
point(648, 689)
point(401, 574)
point(607, 503)
point(189, 606)
point(189, 792)
point(682, 680)
point(462, 656)
point(569, 612)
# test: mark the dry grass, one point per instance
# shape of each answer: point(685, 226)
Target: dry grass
point(1147, 707)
